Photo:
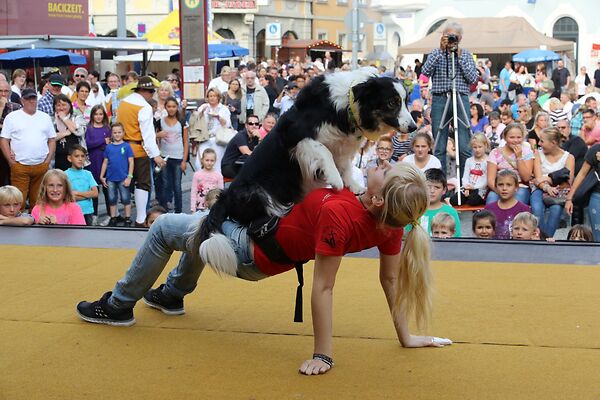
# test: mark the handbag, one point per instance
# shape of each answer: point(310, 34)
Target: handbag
point(224, 135)
point(198, 128)
point(584, 191)
point(560, 199)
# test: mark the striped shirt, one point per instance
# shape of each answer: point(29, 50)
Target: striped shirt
point(438, 67)
point(558, 115)
point(401, 147)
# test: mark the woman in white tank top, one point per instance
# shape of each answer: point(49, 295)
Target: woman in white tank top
point(550, 158)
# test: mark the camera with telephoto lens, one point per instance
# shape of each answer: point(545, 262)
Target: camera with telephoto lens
point(452, 39)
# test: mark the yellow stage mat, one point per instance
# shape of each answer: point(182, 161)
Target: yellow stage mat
point(522, 331)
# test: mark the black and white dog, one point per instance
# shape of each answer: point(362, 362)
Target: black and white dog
point(312, 145)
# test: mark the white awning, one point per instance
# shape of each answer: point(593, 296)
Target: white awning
point(79, 43)
point(152, 56)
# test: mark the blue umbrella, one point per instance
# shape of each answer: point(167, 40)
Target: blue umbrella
point(28, 58)
point(221, 50)
point(535, 55)
point(40, 57)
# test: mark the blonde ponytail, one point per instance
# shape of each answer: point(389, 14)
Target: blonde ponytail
point(406, 198)
point(413, 291)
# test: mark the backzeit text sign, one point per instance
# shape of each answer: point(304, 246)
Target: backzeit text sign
point(43, 17)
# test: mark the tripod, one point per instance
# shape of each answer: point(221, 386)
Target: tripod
point(451, 97)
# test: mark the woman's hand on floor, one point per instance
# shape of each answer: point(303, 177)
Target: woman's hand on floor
point(426, 341)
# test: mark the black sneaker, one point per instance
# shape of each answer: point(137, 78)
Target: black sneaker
point(128, 222)
point(113, 221)
point(156, 298)
point(100, 312)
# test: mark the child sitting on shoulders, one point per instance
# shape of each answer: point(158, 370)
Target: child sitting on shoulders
point(436, 181)
point(443, 226)
point(525, 227)
point(82, 181)
point(11, 199)
point(484, 224)
point(152, 214)
point(56, 203)
point(204, 180)
point(474, 180)
point(507, 207)
point(579, 233)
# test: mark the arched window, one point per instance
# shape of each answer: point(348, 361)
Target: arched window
point(397, 39)
point(113, 33)
point(226, 33)
point(260, 44)
point(435, 26)
point(288, 35)
point(566, 28)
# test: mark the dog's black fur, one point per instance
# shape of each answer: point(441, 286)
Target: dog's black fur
point(271, 177)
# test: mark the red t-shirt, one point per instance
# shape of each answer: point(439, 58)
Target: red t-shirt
point(328, 223)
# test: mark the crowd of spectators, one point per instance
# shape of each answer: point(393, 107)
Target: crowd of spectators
point(542, 128)
point(523, 127)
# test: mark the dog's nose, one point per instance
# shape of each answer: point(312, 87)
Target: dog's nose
point(412, 127)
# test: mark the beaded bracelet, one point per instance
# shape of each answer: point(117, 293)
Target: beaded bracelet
point(326, 359)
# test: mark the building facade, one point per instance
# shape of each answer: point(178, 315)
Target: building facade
point(332, 21)
point(410, 20)
point(142, 15)
point(244, 21)
point(295, 17)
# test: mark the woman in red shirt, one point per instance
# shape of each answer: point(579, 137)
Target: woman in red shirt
point(324, 226)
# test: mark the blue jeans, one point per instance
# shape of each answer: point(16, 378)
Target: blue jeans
point(169, 233)
point(116, 190)
point(522, 195)
point(464, 135)
point(170, 184)
point(538, 208)
point(594, 214)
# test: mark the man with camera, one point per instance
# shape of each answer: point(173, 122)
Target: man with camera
point(439, 68)
point(286, 98)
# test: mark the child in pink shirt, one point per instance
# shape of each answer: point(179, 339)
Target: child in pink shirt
point(56, 204)
point(204, 180)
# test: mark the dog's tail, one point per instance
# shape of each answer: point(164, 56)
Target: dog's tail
point(217, 252)
point(215, 218)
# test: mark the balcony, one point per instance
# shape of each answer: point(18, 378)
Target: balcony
point(399, 6)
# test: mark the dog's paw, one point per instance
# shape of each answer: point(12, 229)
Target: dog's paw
point(335, 182)
point(356, 187)
point(332, 179)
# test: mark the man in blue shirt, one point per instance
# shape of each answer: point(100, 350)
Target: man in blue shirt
point(505, 78)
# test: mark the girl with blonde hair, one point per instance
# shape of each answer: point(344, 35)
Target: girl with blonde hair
point(325, 226)
point(548, 197)
point(56, 202)
point(164, 91)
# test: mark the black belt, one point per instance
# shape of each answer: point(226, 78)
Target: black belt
point(263, 234)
